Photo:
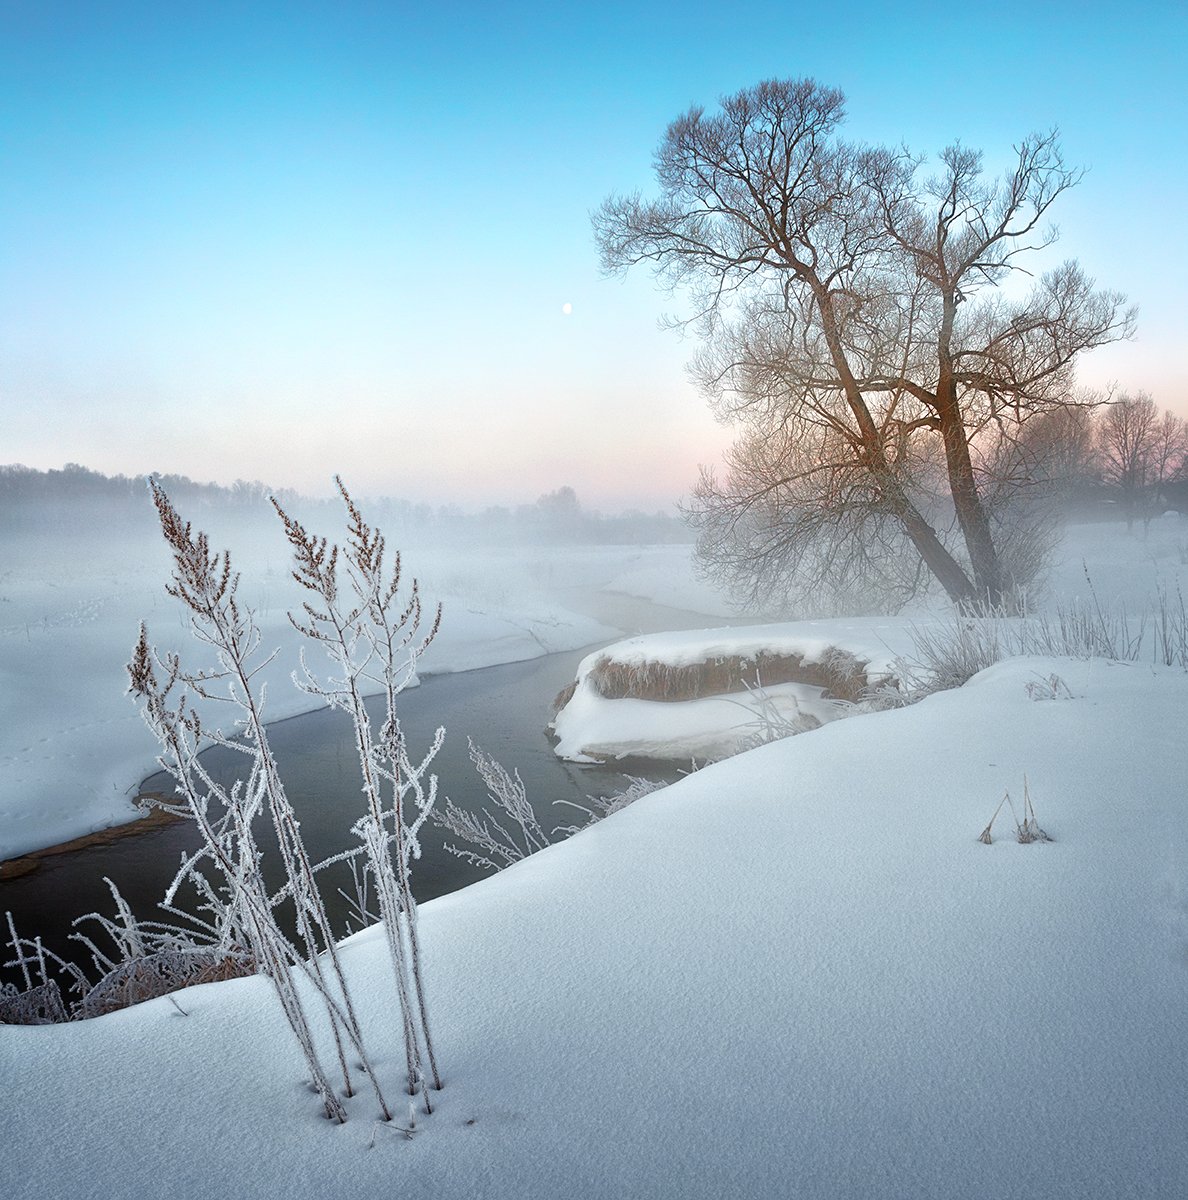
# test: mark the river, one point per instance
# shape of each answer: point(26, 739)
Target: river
point(504, 708)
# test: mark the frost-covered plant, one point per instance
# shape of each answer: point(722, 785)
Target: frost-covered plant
point(1027, 830)
point(498, 843)
point(40, 1001)
point(770, 722)
point(373, 643)
point(1171, 630)
point(947, 655)
point(1052, 688)
point(369, 640)
point(145, 959)
point(207, 587)
point(605, 806)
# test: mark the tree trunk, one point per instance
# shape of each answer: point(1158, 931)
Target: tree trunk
point(988, 583)
point(989, 591)
point(939, 561)
point(946, 569)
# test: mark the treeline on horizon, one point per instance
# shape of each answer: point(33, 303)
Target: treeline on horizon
point(77, 498)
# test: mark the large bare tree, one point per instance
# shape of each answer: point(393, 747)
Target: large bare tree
point(856, 332)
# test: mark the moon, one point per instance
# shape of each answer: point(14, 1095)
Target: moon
point(567, 308)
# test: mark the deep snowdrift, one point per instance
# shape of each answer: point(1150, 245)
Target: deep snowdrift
point(793, 973)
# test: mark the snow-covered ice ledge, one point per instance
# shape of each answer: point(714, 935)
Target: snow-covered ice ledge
point(694, 693)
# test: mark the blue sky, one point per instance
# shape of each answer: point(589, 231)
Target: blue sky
point(280, 241)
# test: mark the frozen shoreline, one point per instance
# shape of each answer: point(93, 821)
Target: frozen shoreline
point(73, 747)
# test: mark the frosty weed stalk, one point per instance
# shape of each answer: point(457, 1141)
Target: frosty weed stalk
point(370, 638)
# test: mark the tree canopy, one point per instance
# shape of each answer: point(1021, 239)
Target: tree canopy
point(856, 332)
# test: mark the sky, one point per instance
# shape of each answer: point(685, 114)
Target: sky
point(278, 241)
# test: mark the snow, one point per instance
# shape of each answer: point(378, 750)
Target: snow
point(795, 972)
point(666, 575)
point(877, 641)
point(591, 728)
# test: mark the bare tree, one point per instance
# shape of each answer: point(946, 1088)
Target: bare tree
point(852, 328)
point(1169, 452)
point(1141, 450)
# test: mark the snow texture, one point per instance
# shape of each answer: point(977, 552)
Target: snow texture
point(796, 972)
point(793, 973)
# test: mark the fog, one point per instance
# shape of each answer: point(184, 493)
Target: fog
point(82, 563)
point(60, 524)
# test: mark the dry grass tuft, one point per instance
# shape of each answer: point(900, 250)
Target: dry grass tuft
point(155, 975)
point(1026, 831)
point(840, 673)
point(564, 696)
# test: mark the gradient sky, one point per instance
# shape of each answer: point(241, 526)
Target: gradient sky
point(282, 240)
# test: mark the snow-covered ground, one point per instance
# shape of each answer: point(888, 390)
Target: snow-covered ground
point(795, 972)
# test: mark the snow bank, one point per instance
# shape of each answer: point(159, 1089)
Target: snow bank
point(794, 973)
point(591, 727)
point(875, 640)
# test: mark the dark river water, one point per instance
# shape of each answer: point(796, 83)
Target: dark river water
point(504, 708)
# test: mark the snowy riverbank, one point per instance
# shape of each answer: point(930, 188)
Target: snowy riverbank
point(710, 693)
point(794, 972)
point(797, 971)
point(72, 744)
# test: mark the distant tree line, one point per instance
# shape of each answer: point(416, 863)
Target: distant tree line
point(76, 497)
point(1126, 457)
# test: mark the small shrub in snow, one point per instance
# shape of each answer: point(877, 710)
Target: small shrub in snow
point(40, 1001)
point(40, 1004)
point(1027, 830)
point(138, 960)
point(497, 845)
point(949, 655)
point(1052, 688)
